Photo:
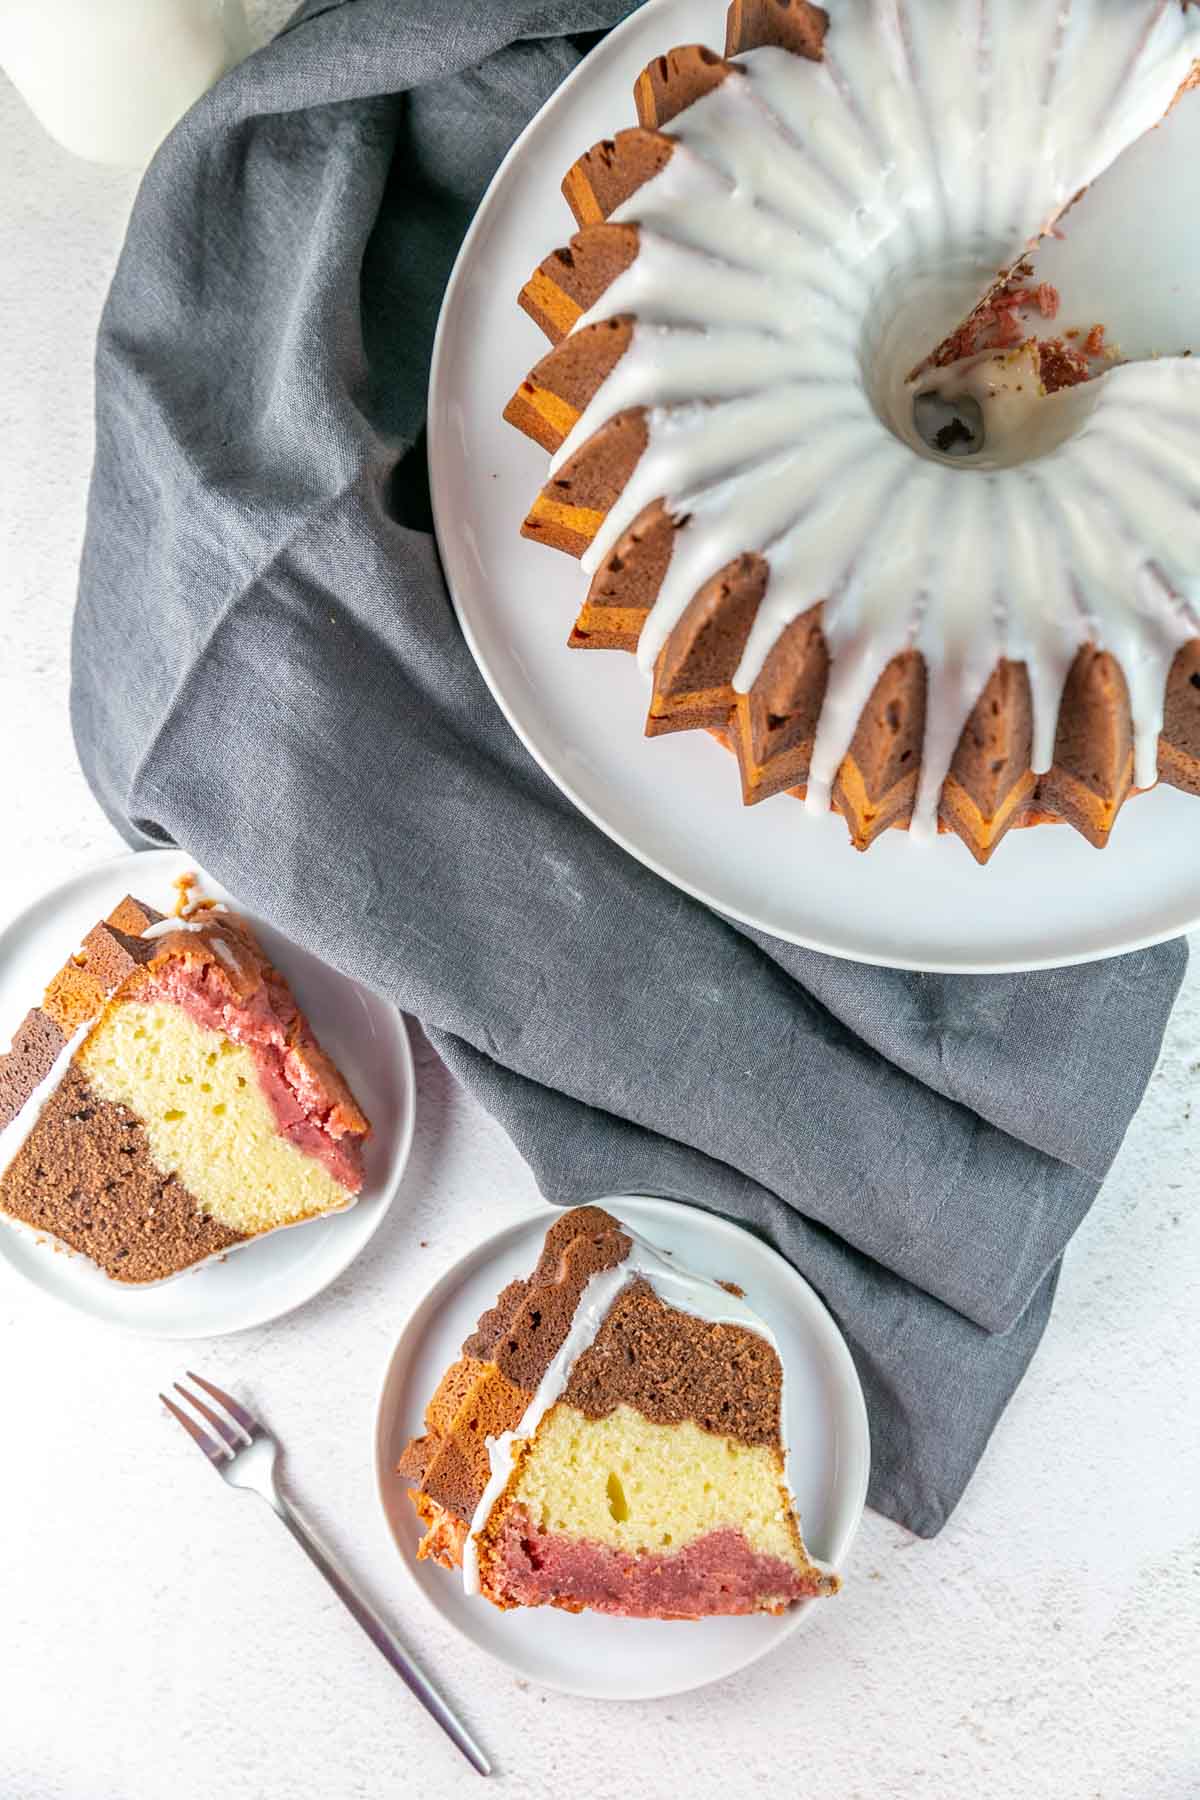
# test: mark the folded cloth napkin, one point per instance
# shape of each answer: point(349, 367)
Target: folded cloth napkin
point(267, 671)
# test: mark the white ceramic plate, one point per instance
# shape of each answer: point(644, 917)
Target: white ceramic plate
point(674, 802)
point(366, 1038)
point(825, 1429)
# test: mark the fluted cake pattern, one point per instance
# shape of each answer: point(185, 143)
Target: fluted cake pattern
point(743, 322)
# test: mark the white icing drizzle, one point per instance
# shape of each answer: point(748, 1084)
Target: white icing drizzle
point(16, 1133)
point(676, 1287)
point(224, 950)
point(220, 947)
point(820, 227)
point(164, 927)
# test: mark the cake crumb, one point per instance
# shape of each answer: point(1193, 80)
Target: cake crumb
point(183, 885)
point(190, 904)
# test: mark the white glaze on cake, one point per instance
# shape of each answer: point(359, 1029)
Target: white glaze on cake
point(820, 227)
point(221, 948)
point(676, 1287)
point(164, 927)
point(15, 1135)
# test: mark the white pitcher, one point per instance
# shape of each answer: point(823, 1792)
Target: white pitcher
point(109, 78)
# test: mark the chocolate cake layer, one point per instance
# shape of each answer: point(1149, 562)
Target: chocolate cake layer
point(110, 953)
point(86, 1177)
point(505, 1358)
point(671, 83)
point(625, 586)
point(1093, 752)
point(877, 784)
point(570, 280)
point(991, 786)
point(554, 393)
point(36, 1047)
point(693, 681)
point(526, 1328)
point(775, 725)
point(571, 506)
point(1179, 748)
point(671, 1366)
point(612, 170)
point(450, 1462)
point(793, 25)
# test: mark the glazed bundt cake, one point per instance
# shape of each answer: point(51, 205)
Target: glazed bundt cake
point(610, 1439)
point(931, 574)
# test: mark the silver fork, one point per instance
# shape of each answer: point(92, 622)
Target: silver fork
point(244, 1454)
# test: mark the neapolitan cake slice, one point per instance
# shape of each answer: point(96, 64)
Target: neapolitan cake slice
point(610, 1439)
point(168, 1100)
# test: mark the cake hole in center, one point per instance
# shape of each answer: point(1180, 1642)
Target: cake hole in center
point(988, 410)
point(950, 424)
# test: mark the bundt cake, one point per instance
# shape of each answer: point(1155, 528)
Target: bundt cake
point(935, 575)
point(610, 1439)
point(168, 1101)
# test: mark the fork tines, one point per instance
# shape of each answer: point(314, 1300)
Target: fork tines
point(231, 1433)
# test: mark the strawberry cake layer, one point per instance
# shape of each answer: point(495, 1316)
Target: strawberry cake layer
point(168, 1100)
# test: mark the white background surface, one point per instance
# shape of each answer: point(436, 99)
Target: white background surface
point(162, 1639)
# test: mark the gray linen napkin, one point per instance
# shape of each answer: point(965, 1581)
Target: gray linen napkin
point(267, 670)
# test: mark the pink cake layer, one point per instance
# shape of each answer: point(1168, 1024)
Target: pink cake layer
point(305, 1093)
point(718, 1573)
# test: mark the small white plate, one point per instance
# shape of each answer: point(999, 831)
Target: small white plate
point(825, 1429)
point(1048, 898)
point(366, 1038)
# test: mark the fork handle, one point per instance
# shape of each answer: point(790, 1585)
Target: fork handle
point(410, 1672)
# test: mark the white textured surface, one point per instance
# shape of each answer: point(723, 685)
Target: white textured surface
point(160, 1637)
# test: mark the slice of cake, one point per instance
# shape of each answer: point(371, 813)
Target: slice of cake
point(610, 1439)
point(168, 1101)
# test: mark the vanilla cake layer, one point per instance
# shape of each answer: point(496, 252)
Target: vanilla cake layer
point(632, 1484)
point(206, 1118)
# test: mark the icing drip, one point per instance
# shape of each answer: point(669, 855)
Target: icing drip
point(220, 947)
point(164, 927)
point(676, 1287)
point(17, 1132)
point(806, 203)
